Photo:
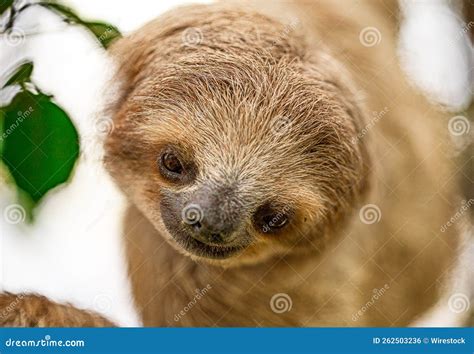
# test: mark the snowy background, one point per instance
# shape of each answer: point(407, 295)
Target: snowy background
point(79, 259)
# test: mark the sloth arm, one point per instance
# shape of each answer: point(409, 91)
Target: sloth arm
point(38, 311)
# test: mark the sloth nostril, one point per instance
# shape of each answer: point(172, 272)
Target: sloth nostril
point(203, 234)
point(216, 238)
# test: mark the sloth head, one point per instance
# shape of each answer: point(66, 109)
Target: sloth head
point(235, 140)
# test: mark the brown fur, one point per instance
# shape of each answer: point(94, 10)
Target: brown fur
point(217, 101)
point(247, 70)
point(37, 311)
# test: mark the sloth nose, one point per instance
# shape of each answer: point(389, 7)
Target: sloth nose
point(209, 235)
point(211, 229)
point(212, 217)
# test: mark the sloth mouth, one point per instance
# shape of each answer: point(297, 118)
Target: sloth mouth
point(202, 249)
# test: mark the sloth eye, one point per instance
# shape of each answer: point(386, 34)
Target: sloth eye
point(172, 163)
point(172, 168)
point(270, 219)
point(275, 221)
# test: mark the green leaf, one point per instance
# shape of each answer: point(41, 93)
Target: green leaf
point(104, 32)
point(21, 74)
point(4, 5)
point(2, 120)
point(40, 144)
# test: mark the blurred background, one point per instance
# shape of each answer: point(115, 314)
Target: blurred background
point(72, 251)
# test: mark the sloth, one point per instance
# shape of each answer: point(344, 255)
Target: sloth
point(279, 171)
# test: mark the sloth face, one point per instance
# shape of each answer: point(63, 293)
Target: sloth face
point(237, 155)
point(215, 218)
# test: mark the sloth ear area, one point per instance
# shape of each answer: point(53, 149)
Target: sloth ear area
point(135, 53)
point(142, 47)
point(325, 70)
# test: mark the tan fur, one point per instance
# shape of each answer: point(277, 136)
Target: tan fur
point(247, 70)
point(218, 101)
point(37, 311)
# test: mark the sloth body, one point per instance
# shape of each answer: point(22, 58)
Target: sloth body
point(215, 102)
point(269, 128)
